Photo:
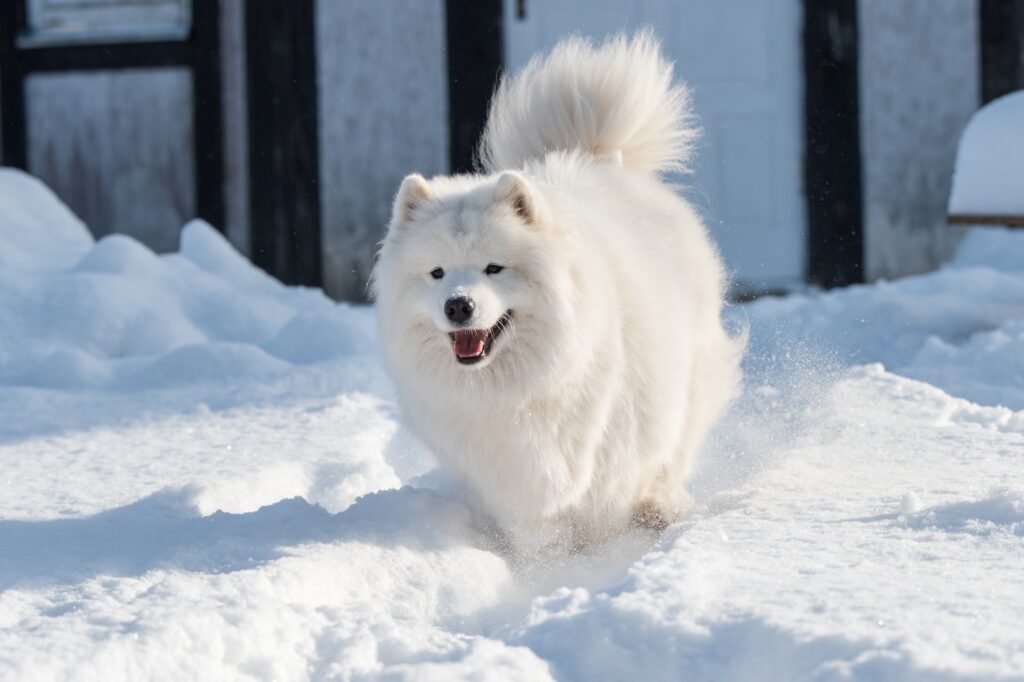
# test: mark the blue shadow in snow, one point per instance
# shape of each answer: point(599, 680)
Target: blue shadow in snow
point(165, 530)
point(1000, 512)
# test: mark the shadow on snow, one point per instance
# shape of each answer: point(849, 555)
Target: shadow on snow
point(166, 531)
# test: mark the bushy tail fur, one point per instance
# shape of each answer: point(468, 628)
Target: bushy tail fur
point(616, 100)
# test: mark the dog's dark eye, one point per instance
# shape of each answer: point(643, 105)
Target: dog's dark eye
point(437, 273)
point(493, 269)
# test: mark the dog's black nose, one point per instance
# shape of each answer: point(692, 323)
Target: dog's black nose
point(459, 309)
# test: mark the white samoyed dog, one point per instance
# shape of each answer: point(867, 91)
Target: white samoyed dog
point(553, 324)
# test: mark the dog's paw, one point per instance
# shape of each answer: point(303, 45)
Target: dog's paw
point(647, 514)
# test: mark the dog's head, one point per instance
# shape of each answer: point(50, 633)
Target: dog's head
point(474, 275)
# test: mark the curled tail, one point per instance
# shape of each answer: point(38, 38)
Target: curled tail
point(616, 100)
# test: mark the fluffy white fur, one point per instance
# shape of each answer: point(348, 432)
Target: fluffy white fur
point(590, 407)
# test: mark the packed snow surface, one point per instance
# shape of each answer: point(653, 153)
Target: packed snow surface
point(989, 174)
point(204, 477)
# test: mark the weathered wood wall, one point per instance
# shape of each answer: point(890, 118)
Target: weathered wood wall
point(919, 74)
point(117, 148)
point(382, 78)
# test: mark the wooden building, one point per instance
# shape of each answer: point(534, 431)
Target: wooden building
point(830, 125)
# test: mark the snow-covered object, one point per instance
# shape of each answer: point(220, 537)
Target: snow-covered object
point(203, 478)
point(988, 179)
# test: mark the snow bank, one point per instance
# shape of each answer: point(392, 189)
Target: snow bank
point(121, 315)
point(203, 478)
point(970, 311)
point(989, 174)
point(998, 248)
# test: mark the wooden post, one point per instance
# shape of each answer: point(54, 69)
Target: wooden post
point(12, 92)
point(832, 168)
point(475, 57)
point(284, 171)
point(1002, 47)
point(207, 112)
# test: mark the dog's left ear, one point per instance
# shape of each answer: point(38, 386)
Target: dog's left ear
point(515, 191)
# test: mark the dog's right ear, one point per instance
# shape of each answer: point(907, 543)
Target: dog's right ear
point(411, 195)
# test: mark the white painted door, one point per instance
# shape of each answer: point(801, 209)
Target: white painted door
point(742, 60)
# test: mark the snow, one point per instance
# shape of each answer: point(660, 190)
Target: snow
point(989, 175)
point(961, 328)
point(204, 477)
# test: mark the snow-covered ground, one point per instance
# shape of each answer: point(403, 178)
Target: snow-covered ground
point(203, 477)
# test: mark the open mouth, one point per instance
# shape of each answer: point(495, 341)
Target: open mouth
point(473, 345)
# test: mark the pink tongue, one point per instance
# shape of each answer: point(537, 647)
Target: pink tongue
point(470, 344)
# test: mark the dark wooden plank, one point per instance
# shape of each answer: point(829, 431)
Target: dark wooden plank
point(1002, 47)
point(832, 167)
point(475, 41)
point(105, 56)
point(283, 141)
point(986, 219)
point(207, 112)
